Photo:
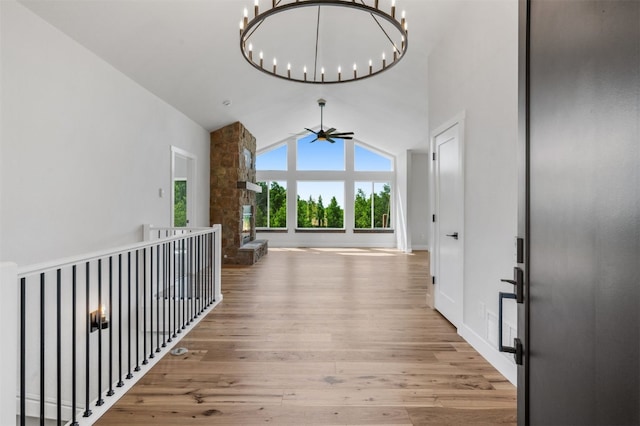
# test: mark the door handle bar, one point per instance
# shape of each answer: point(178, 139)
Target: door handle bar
point(454, 235)
point(516, 349)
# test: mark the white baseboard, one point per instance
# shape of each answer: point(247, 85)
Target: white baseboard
point(420, 247)
point(505, 365)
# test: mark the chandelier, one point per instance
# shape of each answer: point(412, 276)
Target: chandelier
point(314, 39)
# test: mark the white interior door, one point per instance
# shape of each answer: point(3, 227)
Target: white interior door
point(448, 244)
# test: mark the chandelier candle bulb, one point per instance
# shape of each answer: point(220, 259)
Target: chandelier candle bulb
point(251, 51)
point(289, 70)
point(241, 28)
point(403, 22)
point(305, 72)
point(261, 59)
point(376, 4)
point(255, 8)
point(395, 54)
point(370, 66)
point(384, 60)
point(322, 73)
point(245, 20)
point(339, 73)
point(275, 63)
point(355, 71)
point(393, 8)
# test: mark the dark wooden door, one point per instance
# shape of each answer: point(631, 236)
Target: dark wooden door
point(580, 216)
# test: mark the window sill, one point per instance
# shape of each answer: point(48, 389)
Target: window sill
point(273, 230)
point(321, 230)
point(374, 231)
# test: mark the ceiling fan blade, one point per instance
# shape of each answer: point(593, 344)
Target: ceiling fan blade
point(346, 137)
point(330, 140)
point(333, 129)
point(343, 134)
point(309, 130)
point(314, 140)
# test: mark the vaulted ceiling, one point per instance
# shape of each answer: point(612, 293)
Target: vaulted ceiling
point(187, 53)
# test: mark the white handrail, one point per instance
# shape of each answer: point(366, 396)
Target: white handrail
point(39, 268)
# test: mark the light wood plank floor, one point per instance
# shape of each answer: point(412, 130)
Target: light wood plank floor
point(322, 337)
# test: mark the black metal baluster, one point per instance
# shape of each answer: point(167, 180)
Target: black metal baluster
point(187, 279)
point(151, 355)
point(158, 299)
point(198, 275)
point(205, 272)
point(209, 269)
point(87, 411)
point(183, 284)
point(175, 288)
point(137, 367)
point(59, 348)
point(120, 382)
point(202, 272)
point(42, 366)
point(73, 347)
point(176, 284)
point(165, 280)
point(110, 392)
point(129, 375)
point(168, 296)
point(23, 350)
point(100, 401)
point(144, 306)
point(192, 299)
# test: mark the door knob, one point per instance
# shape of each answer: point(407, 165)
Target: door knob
point(454, 235)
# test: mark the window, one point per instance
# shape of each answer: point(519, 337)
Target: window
point(320, 155)
point(274, 159)
point(180, 203)
point(320, 205)
point(372, 205)
point(271, 205)
point(367, 160)
point(323, 192)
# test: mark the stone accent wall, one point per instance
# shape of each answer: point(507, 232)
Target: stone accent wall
point(228, 167)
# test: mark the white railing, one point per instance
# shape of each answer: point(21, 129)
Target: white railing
point(91, 326)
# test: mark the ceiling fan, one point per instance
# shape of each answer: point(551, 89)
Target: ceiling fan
point(330, 134)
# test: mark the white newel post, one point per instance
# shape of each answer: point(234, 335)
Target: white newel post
point(217, 260)
point(9, 311)
point(146, 232)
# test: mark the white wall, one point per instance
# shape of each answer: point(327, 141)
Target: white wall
point(85, 150)
point(419, 209)
point(403, 233)
point(474, 69)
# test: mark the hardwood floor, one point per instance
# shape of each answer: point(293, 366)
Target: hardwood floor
point(322, 337)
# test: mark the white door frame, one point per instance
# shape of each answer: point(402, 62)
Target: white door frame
point(460, 121)
point(191, 184)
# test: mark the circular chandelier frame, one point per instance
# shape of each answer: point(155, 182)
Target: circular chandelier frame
point(249, 26)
